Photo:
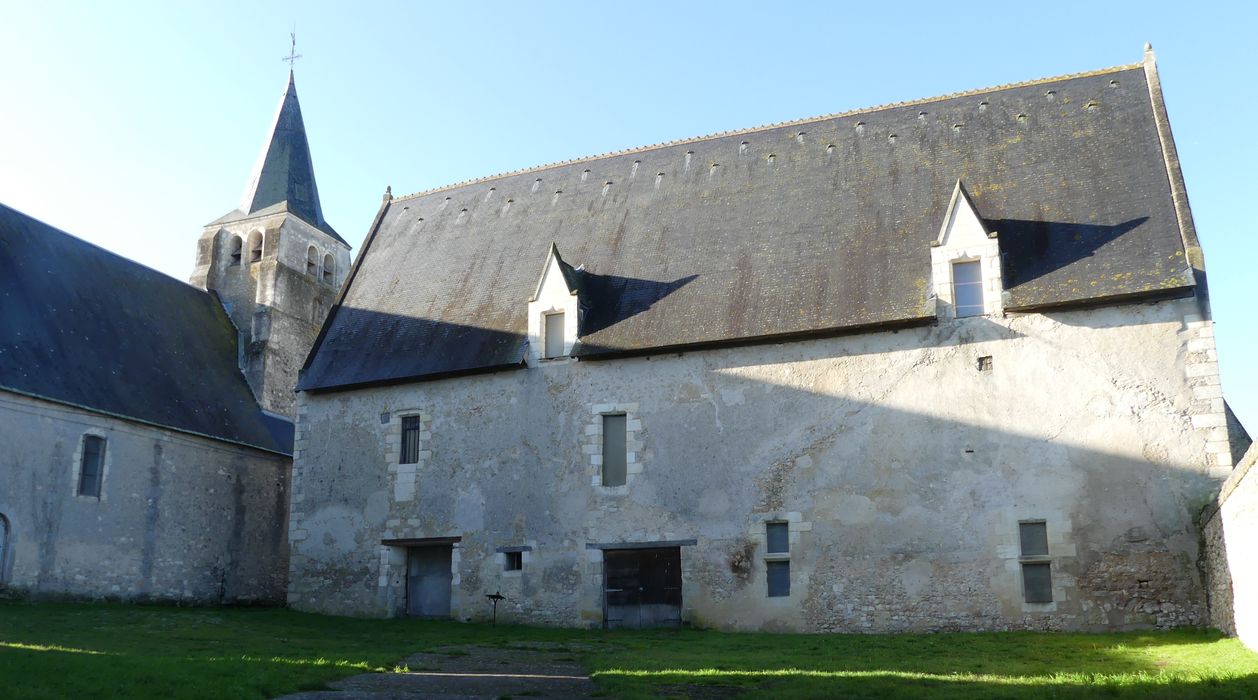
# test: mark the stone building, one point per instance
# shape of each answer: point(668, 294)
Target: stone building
point(146, 424)
point(938, 365)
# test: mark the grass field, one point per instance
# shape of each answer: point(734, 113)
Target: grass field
point(59, 650)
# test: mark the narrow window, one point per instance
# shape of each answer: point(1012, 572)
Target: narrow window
point(91, 465)
point(779, 538)
point(329, 269)
point(255, 246)
point(312, 262)
point(410, 440)
point(967, 288)
point(779, 578)
point(514, 561)
point(1037, 579)
point(614, 450)
point(554, 335)
point(237, 244)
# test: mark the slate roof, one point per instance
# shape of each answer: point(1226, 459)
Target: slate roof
point(85, 327)
point(283, 178)
point(817, 226)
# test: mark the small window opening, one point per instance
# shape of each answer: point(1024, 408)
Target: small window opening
point(329, 269)
point(985, 363)
point(614, 455)
point(777, 563)
point(312, 262)
point(554, 340)
point(237, 244)
point(1037, 578)
point(514, 561)
point(967, 288)
point(410, 440)
point(778, 538)
point(91, 465)
point(779, 577)
point(255, 246)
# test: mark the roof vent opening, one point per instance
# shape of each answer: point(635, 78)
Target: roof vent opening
point(799, 138)
point(921, 116)
point(1092, 105)
point(957, 127)
point(1113, 83)
point(1021, 118)
point(982, 106)
point(742, 148)
point(830, 150)
point(771, 158)
point(537, 183)
point(891, 138)
point(633, 171)
point(860, 127)
point(1050, 95)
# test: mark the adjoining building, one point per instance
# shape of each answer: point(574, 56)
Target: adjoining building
point(939, 365)
point(146, 424)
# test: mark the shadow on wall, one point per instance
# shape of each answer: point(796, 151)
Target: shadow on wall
point(1033, 249)
point(910, 476)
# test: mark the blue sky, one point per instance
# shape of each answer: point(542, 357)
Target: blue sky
point(133, 124)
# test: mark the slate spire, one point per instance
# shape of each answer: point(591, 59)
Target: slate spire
point(284, 172)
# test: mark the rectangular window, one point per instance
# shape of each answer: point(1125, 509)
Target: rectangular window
point(967, 288)
point(1037, 577)
point(91, 465)
point(1037, 582)
point(410, 440)
point(779, 575)
point(614, 456)
point(514, 561)
point(554, 335)
point(779, 538)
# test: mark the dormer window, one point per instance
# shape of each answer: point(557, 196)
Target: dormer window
point(329, 269)
point(967, 288)
point(255, 247)
point(312, 262)
point(555, 309)
point(236, 246)
point(554, 335)
point(965, 261)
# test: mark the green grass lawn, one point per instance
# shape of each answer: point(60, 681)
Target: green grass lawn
point(58, 650)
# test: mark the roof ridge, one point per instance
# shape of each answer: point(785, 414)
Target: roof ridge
point(767, 127)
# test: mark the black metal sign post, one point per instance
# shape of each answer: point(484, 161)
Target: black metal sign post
point(495, 597)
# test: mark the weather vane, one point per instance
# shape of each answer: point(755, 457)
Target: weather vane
point(292, 56)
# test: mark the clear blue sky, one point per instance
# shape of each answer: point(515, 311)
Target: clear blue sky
point(132, 124)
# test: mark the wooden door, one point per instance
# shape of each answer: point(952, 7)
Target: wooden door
point(642, 588)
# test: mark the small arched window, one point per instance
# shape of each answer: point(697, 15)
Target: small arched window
point(236, 246)
point(312, 262)
point(255, 246)
point(329, 269)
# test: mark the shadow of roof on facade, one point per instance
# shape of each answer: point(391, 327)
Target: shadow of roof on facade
point(817, 226)
point(85, 327)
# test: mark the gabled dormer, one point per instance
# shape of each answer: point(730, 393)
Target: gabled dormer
point(965, 261)
point(555, 310)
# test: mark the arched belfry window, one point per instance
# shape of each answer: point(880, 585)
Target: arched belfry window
point(329, 269)
point(236, 246)
point(312, 262)
point(255, 246)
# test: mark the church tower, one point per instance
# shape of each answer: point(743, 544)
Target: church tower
point(274, 262)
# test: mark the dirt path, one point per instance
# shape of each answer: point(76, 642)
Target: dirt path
point(533, 670)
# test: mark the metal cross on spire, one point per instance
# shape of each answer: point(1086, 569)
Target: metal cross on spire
point(292, 56)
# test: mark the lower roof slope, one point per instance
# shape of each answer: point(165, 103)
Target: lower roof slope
point(815, 226)
point(85, 327)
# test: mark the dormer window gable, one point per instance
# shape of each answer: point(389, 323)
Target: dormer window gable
point(965, 261)
point(555, 310)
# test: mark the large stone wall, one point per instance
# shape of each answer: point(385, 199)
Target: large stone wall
point(1229, 529)
point(901, 466)
point(180, 517)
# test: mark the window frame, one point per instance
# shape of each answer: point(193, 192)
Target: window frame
point(416, 425)
point(513, 560)
point(982, 296)
point(623, 453)
point(1035, 561)
point(312, 262)
point(777, 559)
point(99, 469)
point(329, 269)
point(561, 353)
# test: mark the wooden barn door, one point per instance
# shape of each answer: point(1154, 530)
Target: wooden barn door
point(642, 588)
point(428, 578)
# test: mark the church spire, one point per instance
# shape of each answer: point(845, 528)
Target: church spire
point(284, 172)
